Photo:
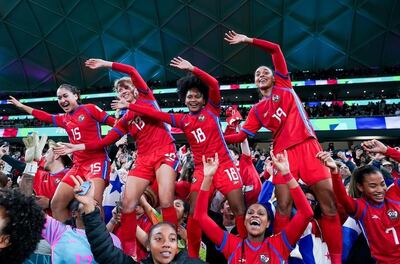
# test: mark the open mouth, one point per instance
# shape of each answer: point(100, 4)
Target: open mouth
point(166, 254)
point(379, 196)
point(255, 222)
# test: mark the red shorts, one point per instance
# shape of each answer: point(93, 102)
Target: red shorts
point(91, 169)
point(304, 165)
point(145, 166)
point(225, 180)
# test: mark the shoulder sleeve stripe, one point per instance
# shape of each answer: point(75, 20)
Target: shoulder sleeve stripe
point(223, 243)
point(284, 238)
point(248, 132)
point(282, 75)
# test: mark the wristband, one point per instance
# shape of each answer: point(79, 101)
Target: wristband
point(31, 168)
point(288, 176)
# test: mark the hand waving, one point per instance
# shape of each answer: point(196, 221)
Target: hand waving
point(234, 38)
point(182, 64)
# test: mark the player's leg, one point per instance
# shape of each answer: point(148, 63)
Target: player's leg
point(284, 207)
point(193, 228)
point(134, 188)
point(236, 203)
point(63, 195)
point(330, 222)
point(166, 177)
point(99, 186)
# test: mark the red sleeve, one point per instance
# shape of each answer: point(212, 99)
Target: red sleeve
point(120, 129)
point(210, 228)
point(344, 199)
point(214, 96)
point(253, 122)
point(235, 138)
point(48, 118)
point(293, 231)
point(393, 153)
point(137, 80)
point(174, 120)
point(281, 72)
point(100, 115)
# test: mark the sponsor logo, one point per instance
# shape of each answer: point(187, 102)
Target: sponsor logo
point(186, 124)
point(57, 181)
point(375, 217)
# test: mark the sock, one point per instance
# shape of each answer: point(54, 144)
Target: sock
point(194, 237)
point(169, 215)
point(241, 228)
point(332, 234)
point(127, 233)
point(280, 221)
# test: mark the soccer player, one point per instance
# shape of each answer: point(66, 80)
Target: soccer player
point(256, 248)
point(156, 152)
point(378, 215)
point(202, 129)
point(282, 112)
point(82, 124)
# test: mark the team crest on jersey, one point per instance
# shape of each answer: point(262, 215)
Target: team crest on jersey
point(194, 179)
point(264, 259)
point(393, 214)
point(57, 181)
point(275, 98)
point(202, 118)
point(81, 118)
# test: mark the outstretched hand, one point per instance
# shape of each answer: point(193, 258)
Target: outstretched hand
point(181, 63)
point(281, 162)
point(64, 148)
point(15, 102)
point(119, 104)
point(326, 159)
point(234, 38)
point(97, 63)
point(374, 146)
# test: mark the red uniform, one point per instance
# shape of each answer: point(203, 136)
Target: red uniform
point(251, 179)
point(380, 223)
point(283, 113)
point(274, 249)
point(83, 125)
point(155, 145)
point(205, 137)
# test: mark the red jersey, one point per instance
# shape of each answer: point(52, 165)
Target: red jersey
point(83, 125)
point(272, 250)
point(45, 183)
point(282, 112)
point(251, 179)
point(202, 129)
point(140, 128)
point(380, 223)
point(381, 226)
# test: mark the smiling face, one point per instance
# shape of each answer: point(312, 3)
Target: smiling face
point(373, 187)
point(126, 90)
point(256, 220)
point(67, 100)
point(49, 158)
point(194, 100)
point(264, 79)
point(163, 243)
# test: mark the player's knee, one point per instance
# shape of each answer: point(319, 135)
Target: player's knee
point(328, 207)
point(129, 204)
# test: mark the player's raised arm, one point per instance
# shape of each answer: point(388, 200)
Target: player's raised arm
point(375, 146)
point(214, 95)
point(344, 199)
point(274, 49)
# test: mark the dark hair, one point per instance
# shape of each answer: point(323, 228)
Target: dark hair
point(72, 89)
point(317, 210)
point(66, 161)
point(358, 178)
point(3, 179)
point(158, 225)
point(73, 206)
point(24, 224)
point(191, 81)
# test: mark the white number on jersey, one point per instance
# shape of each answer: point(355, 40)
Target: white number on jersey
point(199, 135)
point(232, 174)
point(278, 113)
point(139, 123)
point(395, 237)
point(76, 133)
point(95, 167)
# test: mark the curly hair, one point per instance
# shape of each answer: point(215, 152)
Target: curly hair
point(191, 81)
point(24, 223)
